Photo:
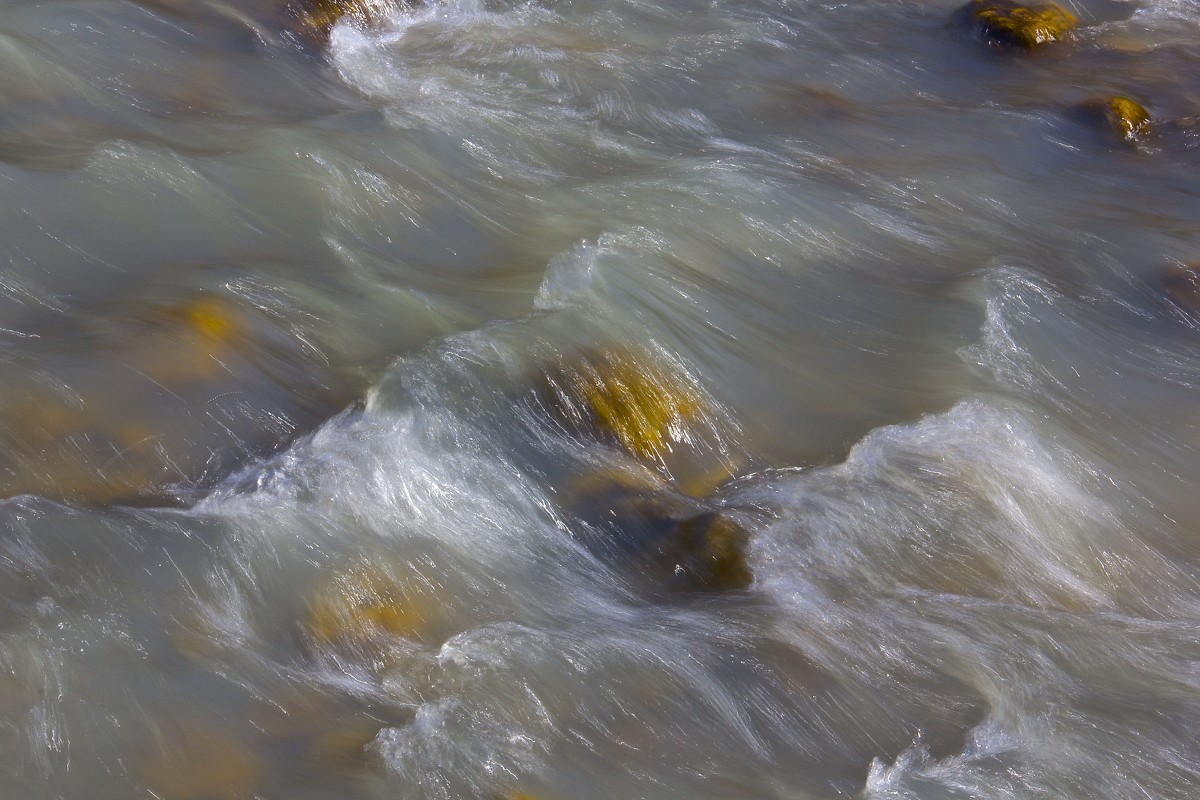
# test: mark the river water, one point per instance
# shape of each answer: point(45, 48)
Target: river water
point(305, 345)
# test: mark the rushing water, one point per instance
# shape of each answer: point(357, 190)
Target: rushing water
point(306, 497)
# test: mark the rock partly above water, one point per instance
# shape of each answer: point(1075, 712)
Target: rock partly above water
point(645, 405)
point(311, 21)
point(1012, 24)
point(1125, 117)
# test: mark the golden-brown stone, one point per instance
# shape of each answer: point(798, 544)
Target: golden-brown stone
point(629, 398)
point(1125, 117)
point(313, 20)
point(1025, 26)
point(365, 601)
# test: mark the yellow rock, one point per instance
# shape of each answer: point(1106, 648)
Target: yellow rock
point(313, 20)
point(81, 465)
point(321, 15)
point(200, 335)
point(1128, 118)
point(199, 763)
point(209, 318)
point(647, 405)
point(645, 411)
point(364, 602)
point(1011, 23)
point(46, 416)
point(638, 402)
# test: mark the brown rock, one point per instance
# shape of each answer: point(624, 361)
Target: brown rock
point(1016, 25)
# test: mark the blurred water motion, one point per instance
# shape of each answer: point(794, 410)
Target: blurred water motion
point(643, 398)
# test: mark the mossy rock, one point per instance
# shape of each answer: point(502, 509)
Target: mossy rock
point(364, 602)
point(319, 16)
point(313, 20)
point(710, 554)
point(1016, 25)
point(1125, 117)
point(629, 398)
point(209, 317)
point(645, 403)
point(55, 446)
point(643, 408)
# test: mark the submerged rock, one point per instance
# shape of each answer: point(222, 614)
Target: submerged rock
point(1182, 282)
point(649, 530)
point(364, 602)
point(1123, 116)
point(709, 554)
point(646, 405)
point(198, 337)
point(630, 513)
point(1016, 25)
point(332, 729)
point(644, 408)
point(165, 398)
point(647, 519)
point(312, 20)
point(196, 762)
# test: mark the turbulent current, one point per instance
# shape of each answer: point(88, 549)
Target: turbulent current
point(598, 399)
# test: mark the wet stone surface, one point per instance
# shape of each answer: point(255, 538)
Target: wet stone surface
point(1122, 116)
point(1011, 24)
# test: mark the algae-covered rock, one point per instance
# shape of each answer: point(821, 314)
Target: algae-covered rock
point(1182, 283)
point(710, 554)
point(101, 431)
point(208, 317)
point(365, 601)
point(1017, 25)
point(52, 444)
point(198, 336)
point(313, 20)
point(644, 527)
point(1125, 117)
point(644, 408)
point(646, 404)
point(316, 18)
